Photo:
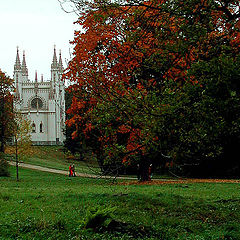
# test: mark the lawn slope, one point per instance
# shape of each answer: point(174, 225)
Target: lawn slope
point(52, 206)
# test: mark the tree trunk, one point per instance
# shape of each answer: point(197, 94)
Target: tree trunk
point(17, 158)
point(144, 171)
point(2, 138)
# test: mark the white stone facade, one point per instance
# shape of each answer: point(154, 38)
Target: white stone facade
point(43, 102)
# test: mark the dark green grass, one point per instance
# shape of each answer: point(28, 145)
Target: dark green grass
point(54, 157)
point(52, 206)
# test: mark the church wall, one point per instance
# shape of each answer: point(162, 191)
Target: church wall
point(37, 119)
point(32, 94)
point(29, 94)
point(52, 127)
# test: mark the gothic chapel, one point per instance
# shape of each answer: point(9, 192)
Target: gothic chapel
point(43, 102)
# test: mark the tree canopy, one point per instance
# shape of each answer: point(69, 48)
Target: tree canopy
point(6, 109)
point(158, 78)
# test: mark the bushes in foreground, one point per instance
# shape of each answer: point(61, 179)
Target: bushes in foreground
point(4, 167)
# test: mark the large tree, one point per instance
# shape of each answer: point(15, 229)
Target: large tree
point(6, 109)
point(157, 78)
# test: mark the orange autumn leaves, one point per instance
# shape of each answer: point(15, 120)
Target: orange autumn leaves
point(118, 41)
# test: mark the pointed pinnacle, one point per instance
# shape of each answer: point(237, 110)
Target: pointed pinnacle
point(54, 64)
point(17, 65)
point(24, 66)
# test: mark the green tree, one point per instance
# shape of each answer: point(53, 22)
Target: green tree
point(158, 78)
point(22, 137)
point(6, 109)
point(74, 145)
point(4, 167)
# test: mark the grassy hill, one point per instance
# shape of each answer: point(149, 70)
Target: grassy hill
point(52, 206)
point(54, 157)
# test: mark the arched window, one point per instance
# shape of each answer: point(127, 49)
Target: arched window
point(41, 127)
point(36, 103)
point(33, 128)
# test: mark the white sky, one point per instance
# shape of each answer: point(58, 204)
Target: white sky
point(35, 26)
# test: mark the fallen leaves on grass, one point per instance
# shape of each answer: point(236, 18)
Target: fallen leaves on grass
point(180, 181)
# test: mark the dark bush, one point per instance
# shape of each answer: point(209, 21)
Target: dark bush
point(4, 166)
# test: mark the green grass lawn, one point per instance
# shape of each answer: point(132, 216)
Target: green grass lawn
point(53, 157)
point(51, 206)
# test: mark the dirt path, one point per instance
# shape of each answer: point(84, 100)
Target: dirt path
point(134, 180)
point(78, 174)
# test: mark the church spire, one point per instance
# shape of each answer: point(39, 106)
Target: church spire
point(54, 64)
point(17, 95)
point(36, 76)
point(24, 66)
point(17, 65)
point(60, 64)
point(36, 84)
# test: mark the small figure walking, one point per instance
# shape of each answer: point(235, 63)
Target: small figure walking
point(73, 171)
point(70, 171)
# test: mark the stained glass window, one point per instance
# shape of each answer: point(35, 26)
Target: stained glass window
point(36, 103)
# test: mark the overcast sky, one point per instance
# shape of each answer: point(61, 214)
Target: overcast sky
point(35, 26)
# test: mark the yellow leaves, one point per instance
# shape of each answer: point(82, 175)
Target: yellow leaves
point(22, 128)
point(22, 134)
point(74, 134)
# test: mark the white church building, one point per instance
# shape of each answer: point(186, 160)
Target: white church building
point(42, 101)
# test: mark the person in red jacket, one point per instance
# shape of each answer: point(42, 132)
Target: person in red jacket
point(70, 171)
point(73, 171)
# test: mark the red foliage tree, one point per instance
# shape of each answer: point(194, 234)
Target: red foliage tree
point(124, 59)
point(6, 109)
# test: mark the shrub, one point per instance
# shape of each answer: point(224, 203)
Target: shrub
point(97, 218)
point(4, 167)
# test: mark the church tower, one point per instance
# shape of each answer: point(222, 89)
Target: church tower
point(17, 75)
point(24, 69)
point(61, 95)
point(42, 102)
point(54, 71)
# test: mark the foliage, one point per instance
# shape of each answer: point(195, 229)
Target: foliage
point(4, 167)
point(102, 220)
point(22, 134)
point(158, 78)
point(6, 109)
point(76, 145)
point(97, 218)
point(22, 137)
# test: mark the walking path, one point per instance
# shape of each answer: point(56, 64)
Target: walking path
point(134, 180)
point(51, 170)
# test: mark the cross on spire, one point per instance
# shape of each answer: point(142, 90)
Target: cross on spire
point(54, 64)
point(60, 64)
point(17, 65)
point(24, 65)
